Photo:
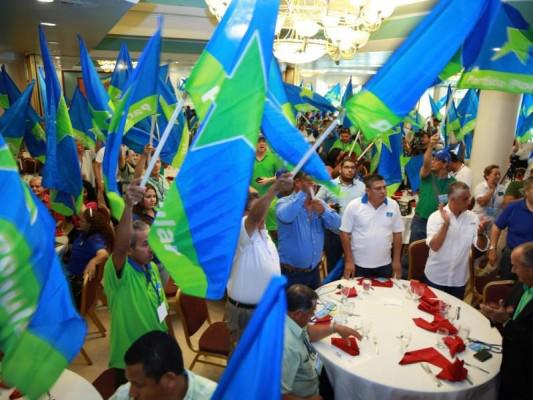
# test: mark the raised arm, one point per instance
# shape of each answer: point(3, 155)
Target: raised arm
point(428, 155)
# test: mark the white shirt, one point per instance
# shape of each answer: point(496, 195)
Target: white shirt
point(495, 203)
point(87, 170)
point(449, 265)
point(256, 261)
point(464, 174)
point(348, 192)
point(100, 155)
point(372, 230)
point(198, 388)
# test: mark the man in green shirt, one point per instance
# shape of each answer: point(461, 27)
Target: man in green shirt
point(132, 284)
point(344, 142)
point(514, 317)
point(434, 183)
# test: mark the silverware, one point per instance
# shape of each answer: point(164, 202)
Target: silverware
point(428, 371)
point(396, 284)
point(476, 367)
point(469, 380)
point(458, 315)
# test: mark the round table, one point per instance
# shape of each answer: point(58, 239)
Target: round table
point(376, 373)
point(69, 386)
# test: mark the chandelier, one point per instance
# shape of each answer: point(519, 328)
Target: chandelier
point(109, 65)
point(306, 30)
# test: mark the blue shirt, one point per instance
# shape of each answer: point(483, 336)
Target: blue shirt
point(83, 249)
point(301, 233)
point(519, 221)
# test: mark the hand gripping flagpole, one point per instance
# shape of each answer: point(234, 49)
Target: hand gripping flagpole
point(315, 146)
point(365, 150)
point(354, 143)
point(162, 141)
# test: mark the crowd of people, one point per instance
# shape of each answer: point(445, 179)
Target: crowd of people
point(292, 227)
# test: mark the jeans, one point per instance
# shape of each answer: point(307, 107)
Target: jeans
point(455, 291)
point(311, 278)
point(332, 248)
point(418, 228)
point(379, 272)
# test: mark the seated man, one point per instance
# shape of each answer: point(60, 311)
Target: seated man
point(301, 366)
point(154, 369)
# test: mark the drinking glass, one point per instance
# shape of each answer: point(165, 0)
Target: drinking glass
point(442, 333)
point(464, 332)
point(367, 283)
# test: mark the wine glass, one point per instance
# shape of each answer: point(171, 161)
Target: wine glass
point(366, 285)
point(442, 333)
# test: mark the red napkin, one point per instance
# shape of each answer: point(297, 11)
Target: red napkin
point(15, 395)
point(431, 306)
point(348, 345)
point(454, 372)
point(455, 344)
point(350, 292)
point(376, 282)
point(428, 354)
point(438, 322)
point(428, 293)
point(325, 319)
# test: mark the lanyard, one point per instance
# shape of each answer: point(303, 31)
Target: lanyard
point(150, 281)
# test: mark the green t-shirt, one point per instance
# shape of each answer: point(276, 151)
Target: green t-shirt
point(515, 189)
point(430, 188)
point(266, 168)
point(133, 300)
point(341, 145)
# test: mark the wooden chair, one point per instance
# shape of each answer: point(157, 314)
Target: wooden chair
point(497, 290)
point(418, 253)
point(477, 282)
point(89, 296)
point(106, 384)
point(214, 341)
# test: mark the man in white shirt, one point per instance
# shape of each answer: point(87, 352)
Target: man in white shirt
point(256, 260)
point(370, 226)
point(489, 194)
point(154, 369)
point(459, 170)
point(451, 231)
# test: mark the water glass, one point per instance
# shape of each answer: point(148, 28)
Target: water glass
point(367, 283)
point(366, 327)
point(464, 332)
point(443, 309)
point(442, 333)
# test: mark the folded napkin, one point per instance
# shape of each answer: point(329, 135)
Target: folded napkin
point(15, 395)
point(438, 322)
point(350, 292)
point(455, 344)
point(428, 354)
point(348, 345)
point(427, 294)
point(377, 282)
point(323, 320)
point(431, 306)
point(454, 372)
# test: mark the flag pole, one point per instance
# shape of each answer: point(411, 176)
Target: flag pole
point(316, 145)
point(354, 143)
point(166, 134)
point(365, 150)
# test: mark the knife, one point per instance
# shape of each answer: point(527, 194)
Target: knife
point(428, 370)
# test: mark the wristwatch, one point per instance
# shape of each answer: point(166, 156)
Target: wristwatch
point(492, 247)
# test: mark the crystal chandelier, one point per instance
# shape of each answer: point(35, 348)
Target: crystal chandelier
point(308, 29)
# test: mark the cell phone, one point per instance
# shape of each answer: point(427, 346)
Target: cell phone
point(258, 179)
point(483, 355)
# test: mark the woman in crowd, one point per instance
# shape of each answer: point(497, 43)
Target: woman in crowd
point(145, 211)
point(489, 194)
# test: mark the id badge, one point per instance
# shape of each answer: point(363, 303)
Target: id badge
point(443, 198)
point(318, 364)
point(162, 312)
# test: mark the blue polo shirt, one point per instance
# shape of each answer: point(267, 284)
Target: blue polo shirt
point(83, 249)
point(519, 221)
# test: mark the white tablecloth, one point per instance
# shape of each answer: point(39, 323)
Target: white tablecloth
point(69, 386)
point(370, 376)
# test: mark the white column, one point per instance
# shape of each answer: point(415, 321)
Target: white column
point(494, 132)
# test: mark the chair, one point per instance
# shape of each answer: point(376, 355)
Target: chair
point(106, 384)
point(89, 296)
point(214, 341)
point(477, 282)
point(497, 290)
point(418, 253)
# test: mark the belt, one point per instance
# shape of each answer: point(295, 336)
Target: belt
point(242, 305)
point(290, 268)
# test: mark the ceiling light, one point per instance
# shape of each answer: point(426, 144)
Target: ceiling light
point(45, 1)
point(48, 24)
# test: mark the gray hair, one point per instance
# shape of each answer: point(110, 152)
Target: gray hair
point(301, 298)
point(137, 226)
point(527, 254)
point(456, 189)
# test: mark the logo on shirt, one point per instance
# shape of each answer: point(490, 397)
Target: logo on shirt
point(388, 214)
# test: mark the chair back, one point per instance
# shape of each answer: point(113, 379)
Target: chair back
point(193, 312)
point(497, 290)
point(89, 291)
point(106, 383)
point(418, 253)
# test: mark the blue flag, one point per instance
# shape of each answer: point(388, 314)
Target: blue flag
point(348, 93)
point(255, 368)
point(138, 102)
point(100, 105)
point(390, 94)
point(333, 95)
point(435, 109)
point(523, 125)
point(120, 75)
point(412, 169)
point(80, 116)
point(467, 111)
point(61, 172)
point(389, 166)
point(498, 54)
point(196, 231)
point(40, 332)
point(34, 136)
point(304, 99)
point(13, 121)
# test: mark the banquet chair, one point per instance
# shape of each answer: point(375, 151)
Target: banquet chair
point(89, 296)
point(496, 291)
point(105, 383)
point(214, 341)
point(477, 282)
point(418, 253)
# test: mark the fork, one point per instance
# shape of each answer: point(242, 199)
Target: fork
point(428, 370)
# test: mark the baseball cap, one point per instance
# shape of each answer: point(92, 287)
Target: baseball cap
point(442, 155)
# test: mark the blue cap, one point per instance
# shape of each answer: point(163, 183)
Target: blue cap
point(442, 155)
